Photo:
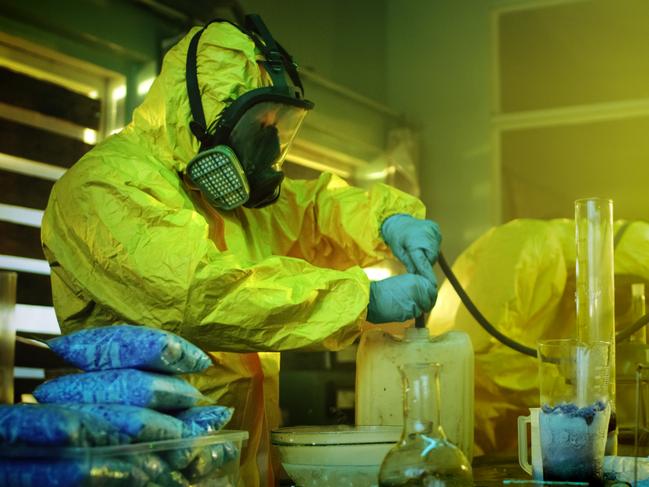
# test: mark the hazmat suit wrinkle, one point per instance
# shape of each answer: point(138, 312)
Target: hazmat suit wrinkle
point(338, 225)
point(129, 242)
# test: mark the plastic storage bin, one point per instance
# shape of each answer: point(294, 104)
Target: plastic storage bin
point(209, 460)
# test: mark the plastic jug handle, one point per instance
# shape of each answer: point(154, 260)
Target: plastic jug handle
point(523, 455)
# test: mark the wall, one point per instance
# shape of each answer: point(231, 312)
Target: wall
point(438, 74)
point(341, 40)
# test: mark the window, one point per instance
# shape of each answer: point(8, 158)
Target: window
point(571, 103)
point(53, 109)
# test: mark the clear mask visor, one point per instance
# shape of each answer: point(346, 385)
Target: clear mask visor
point(264, 133)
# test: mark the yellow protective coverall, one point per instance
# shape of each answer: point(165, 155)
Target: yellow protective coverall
point(521, 276)
point(127, 242)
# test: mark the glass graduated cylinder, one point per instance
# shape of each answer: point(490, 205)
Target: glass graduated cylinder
point(595, 289)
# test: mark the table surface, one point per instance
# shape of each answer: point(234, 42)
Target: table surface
point(491, 470)
point(488, 471)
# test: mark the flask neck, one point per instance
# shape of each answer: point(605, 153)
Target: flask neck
point(421, 400)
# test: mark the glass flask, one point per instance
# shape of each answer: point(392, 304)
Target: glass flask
point(423, 456)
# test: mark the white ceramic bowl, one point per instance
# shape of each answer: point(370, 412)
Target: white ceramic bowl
point(340, 456)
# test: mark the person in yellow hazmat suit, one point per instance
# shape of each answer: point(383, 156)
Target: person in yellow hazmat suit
point(521, 276)
point(184, 221)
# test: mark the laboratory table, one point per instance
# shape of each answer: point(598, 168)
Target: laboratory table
point(488, 470)
point(491, 470)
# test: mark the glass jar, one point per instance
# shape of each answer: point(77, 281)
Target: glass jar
point(423, 456)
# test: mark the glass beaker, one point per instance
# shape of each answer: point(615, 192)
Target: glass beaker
point(575, 409)
point(7, 336)
point(423, 456)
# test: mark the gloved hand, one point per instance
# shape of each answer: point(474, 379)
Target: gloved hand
point(400, 298)
point(414, 242)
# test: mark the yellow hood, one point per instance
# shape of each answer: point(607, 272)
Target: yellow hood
point(227, 68)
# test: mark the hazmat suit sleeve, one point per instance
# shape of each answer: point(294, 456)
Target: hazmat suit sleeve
point(131, 246)
point(332, 224)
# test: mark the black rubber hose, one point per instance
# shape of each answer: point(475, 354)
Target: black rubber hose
point(631, 329)
point(475, 312)
point(489, 328)
point(519, 347)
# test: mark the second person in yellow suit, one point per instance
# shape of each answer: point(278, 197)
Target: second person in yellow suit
point(134, 233)
point(521, 276)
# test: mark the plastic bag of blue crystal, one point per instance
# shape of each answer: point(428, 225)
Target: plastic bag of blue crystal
point(201, 420)
point(158, 471)
point(126, 386)
point(71, 472)
point(129, 346)
point(139, 424)
point(85, 470)
point(209, 459)
point(199, 461)
point(205, 419)
point(51, 425)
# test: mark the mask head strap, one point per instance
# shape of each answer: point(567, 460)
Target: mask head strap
point(197, 125)
point(278, 62)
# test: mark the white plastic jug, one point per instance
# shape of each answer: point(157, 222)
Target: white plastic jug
point(379, 399)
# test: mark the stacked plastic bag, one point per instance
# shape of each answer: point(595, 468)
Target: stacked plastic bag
point(129, 392)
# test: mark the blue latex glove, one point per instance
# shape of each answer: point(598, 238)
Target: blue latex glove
point(414, 242)
point(400, 298)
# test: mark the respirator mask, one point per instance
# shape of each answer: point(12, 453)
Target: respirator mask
point(241, 153)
